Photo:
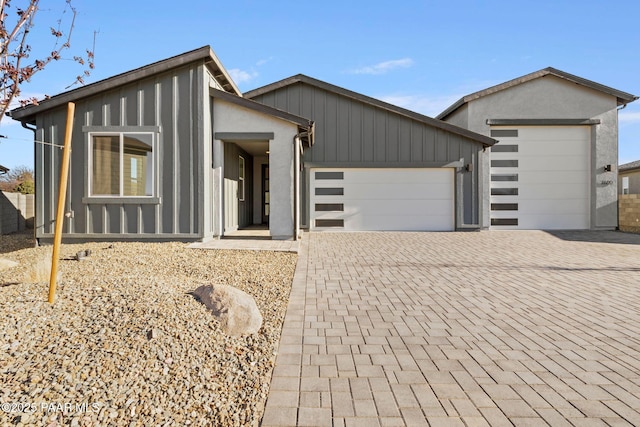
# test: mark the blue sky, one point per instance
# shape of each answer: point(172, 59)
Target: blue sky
point(421, 55)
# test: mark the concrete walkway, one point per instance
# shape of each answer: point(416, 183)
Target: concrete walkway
point(461, 329)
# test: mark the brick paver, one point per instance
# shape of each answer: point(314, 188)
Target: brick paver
point(453, 329)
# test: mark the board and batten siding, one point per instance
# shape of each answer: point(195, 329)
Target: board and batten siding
point(170, 104)
point(352, 133)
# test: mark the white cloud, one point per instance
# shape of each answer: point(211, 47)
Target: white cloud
point(429, 105)
point(263, 61)
point(629, 116)
point(240, 76)
point(383, 67)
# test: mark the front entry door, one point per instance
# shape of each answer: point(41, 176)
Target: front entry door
point(265, 194)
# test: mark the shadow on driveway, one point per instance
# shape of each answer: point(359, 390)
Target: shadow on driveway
point(618, 237)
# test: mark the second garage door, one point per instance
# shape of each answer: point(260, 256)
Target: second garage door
point(382, 199)
point(540, 177)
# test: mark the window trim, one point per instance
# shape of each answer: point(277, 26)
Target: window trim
point(119, 198)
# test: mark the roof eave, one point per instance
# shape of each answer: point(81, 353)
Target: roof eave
point(304, 124)
point(301, 78)
point(27, 113)
point(622, 98)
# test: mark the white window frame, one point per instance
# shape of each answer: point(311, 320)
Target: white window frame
point(121, 135)
point(241, 178)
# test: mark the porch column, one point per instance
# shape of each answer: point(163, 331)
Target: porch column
point(281, 176)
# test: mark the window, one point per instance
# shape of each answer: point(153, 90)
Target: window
point(121, 164)
point(625, 185)
point(241, 178)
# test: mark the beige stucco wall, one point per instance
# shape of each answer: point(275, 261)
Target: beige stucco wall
point(228, 117)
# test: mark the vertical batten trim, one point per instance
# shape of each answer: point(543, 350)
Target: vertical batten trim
point(104, 219)
point(174, 146)
point(140, 106)
point(157, 159)
point(192, 168)
point(123, 110)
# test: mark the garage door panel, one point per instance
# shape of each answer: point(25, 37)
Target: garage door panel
point(388, 199)
point(548, 164)
point(542, 133)
point(401, 191)
point(559, 148)
point(553, 191)
point(560, 207)
point(394, 176)
point(553, 179)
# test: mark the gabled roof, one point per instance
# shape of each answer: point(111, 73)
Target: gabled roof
point(629, 166)
point(621, 97)
point(304, 124)
point(3, 170)
point(204, 53)
point(301, 78)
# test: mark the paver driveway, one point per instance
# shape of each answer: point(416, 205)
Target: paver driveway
point(453, 329)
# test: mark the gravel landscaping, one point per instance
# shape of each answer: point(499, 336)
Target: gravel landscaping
point(126, 343)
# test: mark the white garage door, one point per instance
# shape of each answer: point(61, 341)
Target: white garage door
point(382, 199)
point(540, 177)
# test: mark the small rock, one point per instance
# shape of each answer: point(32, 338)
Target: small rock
point(236, 310)
point(153, 333)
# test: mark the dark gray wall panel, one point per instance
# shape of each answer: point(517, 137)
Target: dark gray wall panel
point(131, 108)
point(96, 219)
point(184, 162)
point(131, 218)
point(148, 218)
point(351, 132)
point(167, 156)
point(404, 135)
point(113, 218)
point(168, 101)
point(148, 103)
point(368, 133)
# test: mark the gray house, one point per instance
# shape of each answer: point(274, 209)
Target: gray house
point(169, 151)
point(173, 151)
point(375, 166)
point(555, 165)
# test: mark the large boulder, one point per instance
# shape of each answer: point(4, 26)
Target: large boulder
point(236, 310)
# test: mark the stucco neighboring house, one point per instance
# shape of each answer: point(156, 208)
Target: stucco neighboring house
point(629, 178)
point(555, 164)
point(376, 166)
point(169, 151)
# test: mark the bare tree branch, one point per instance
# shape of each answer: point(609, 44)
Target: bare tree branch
point(16, 67)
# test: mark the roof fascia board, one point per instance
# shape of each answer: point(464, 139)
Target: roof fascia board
point(300, 78)
point(203, 53)
point(622, 98)
point(542, 122)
